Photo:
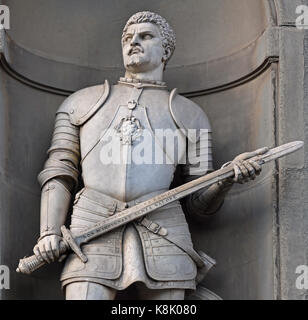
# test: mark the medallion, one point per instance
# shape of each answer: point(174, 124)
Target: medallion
point(129, 129)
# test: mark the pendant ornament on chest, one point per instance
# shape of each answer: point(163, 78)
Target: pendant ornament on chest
point(129, 130)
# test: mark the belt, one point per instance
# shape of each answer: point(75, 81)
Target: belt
point(111, 203)
point(154, 227)
point(202, 260)
point(98, 203)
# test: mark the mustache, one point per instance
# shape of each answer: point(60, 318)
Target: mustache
point(135, 50)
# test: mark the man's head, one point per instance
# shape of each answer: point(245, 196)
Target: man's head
point(147, 41)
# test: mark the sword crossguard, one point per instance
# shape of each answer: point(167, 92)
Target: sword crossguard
point(69, 239)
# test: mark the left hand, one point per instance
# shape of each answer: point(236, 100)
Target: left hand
point(245, 169)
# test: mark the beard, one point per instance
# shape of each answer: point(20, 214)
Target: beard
point(136, 61)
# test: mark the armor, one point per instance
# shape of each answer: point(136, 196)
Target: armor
point(125, 119)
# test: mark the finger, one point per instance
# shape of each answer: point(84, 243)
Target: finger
point(250, 169)
point(261, 151)
point(237, 172)
point(62, 257)
point(49, 251)
point(36, 251)
point(62, 246)
point(239, 175)
point(43, 250)
point(239, 178)
point(243, 169)
point(256, 166)
point(257, 152)
point(55, 248)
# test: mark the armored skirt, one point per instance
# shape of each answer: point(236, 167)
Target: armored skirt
point(131, 253)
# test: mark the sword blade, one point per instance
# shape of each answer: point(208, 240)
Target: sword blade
point(282, 150)
point(163, 199)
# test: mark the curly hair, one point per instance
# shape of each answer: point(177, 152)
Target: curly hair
point(165, 30)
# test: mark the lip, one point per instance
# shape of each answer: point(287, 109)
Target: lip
point(134, 51)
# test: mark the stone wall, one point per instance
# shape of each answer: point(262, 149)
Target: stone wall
point(242, 61)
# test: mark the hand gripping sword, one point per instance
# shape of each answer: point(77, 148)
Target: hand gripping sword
point(73, 243)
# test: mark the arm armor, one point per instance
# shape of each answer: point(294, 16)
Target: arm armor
point(199, 162)
point(59, 177)
point(199, 159)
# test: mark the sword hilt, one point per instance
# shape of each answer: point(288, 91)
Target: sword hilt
point(29, 264)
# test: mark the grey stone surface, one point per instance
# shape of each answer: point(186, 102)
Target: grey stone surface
point(241, 235)
point(257, 246)
point(293, 182)
point(20, 192)
point(286, 11)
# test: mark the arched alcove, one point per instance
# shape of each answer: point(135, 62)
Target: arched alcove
point(228, 60)
point(72, 50)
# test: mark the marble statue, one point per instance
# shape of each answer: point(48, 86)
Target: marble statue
point(98, 159)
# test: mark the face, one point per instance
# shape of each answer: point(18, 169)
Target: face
point(143, 48)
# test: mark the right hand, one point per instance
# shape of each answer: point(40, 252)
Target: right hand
point(245, 168)
point(48, 248)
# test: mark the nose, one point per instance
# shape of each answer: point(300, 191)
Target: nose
point(135, 40)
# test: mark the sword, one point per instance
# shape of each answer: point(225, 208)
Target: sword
point(73, 242)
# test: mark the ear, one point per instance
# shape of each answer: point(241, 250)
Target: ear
point(166, 55)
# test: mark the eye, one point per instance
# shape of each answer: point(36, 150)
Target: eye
point(147, 37)
point(128, 38)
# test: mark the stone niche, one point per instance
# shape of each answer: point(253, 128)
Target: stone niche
point(240, 60)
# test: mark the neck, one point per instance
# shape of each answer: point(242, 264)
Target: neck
point(154, 75)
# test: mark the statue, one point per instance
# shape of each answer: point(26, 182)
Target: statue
point(101, 120)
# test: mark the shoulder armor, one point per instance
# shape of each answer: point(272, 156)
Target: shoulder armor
point(187, 114)
point(84, 103)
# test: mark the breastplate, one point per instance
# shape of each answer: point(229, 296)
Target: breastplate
point(122, 146)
